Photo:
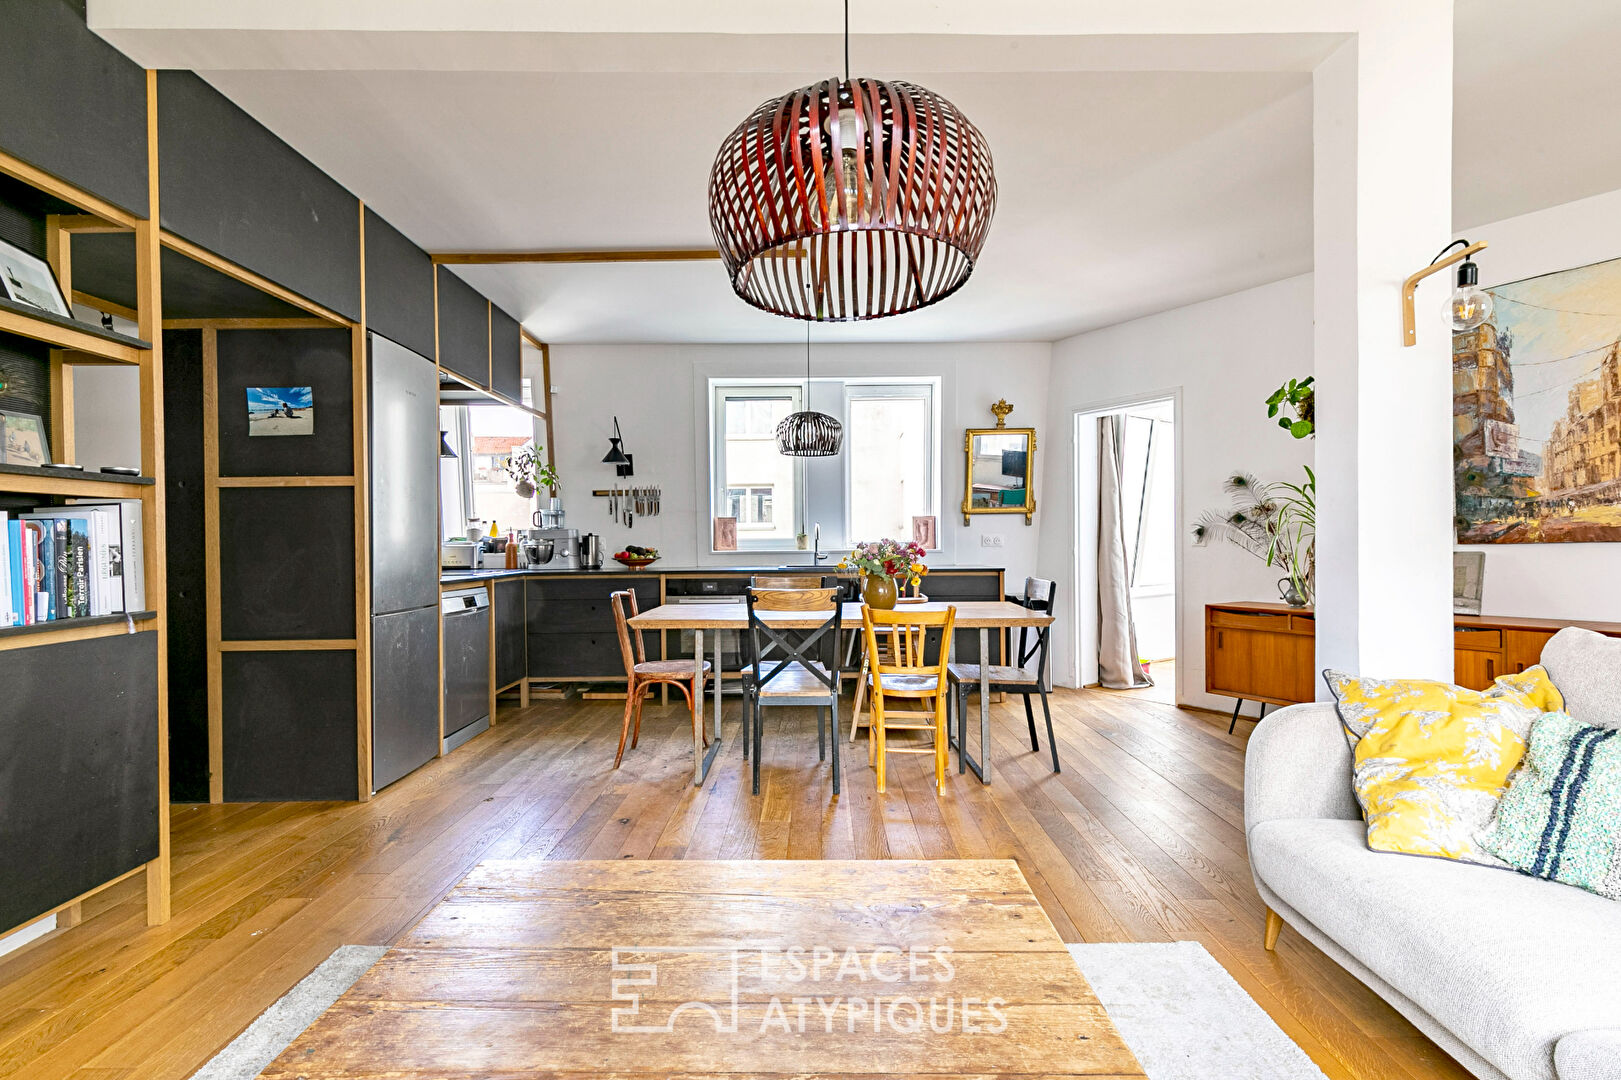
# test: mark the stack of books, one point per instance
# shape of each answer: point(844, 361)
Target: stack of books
point(71, 562)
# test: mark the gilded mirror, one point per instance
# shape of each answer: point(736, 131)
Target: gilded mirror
point(1001, 471)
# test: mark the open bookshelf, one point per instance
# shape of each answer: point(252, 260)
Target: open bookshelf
point(108, 671)
point(93, 343)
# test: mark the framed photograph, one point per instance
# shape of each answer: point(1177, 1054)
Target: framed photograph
point(23, 439)
point(281, 410)
point(726, 534)
point(27, 279)
point(926, 532)
point(1468, 581)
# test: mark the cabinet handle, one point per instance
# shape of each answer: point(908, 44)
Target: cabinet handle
point(1491, 668)
point(1219, 640)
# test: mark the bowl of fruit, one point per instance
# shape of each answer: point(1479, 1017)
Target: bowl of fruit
point(636, 557)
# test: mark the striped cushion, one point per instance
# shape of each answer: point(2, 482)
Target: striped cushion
point(1561, 817)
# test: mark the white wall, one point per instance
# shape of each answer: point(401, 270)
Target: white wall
point(1221, 358)
point(1548, 581)
point(659, 393)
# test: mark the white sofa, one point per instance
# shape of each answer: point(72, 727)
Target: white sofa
point(1516, 977)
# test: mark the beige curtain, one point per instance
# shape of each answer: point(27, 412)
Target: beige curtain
point(1118, 665)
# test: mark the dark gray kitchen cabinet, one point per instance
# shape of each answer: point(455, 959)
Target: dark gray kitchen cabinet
point(571, 625)
point(511, 645)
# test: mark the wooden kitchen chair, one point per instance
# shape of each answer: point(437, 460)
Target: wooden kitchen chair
point(792, 581)
point(641, 673)
point(861, 676)
point(904, 672)
point(792, 675)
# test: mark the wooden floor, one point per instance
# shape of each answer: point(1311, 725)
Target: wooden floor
point(1139, 839)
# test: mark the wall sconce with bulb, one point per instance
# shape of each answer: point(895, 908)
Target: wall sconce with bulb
point(1467, 307)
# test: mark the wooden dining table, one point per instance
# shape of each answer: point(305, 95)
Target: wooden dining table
point(981, 615)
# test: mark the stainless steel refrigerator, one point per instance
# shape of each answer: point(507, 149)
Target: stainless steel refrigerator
point(403, 430)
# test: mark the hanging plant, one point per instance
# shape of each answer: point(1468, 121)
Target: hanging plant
point(530, 471)
point(1295, 397)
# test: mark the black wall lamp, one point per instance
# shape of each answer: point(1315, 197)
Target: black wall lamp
point(1467, 307)
point(624, 463)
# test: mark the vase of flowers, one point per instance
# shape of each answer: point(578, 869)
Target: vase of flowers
point(889, 565)
point(530, 471)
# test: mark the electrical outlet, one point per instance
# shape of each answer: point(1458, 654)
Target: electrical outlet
point(985, 540)
point(996, 541)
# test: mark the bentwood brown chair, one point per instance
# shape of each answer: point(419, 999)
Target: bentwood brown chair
point(904, 672)
point(642, 673)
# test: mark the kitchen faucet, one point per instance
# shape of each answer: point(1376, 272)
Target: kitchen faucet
point(817, 558)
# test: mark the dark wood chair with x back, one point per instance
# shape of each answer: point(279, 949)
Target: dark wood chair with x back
point(793, 667)
point(1039, 595)
point(641, 673)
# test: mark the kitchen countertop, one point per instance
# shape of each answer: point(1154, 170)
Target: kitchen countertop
point(473, 577)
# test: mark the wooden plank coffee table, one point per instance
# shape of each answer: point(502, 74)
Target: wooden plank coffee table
point(752, 969)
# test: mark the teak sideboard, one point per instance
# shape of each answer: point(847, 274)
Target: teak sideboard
point(1267, 652)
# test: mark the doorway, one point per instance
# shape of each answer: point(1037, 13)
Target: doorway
point(1148, 485)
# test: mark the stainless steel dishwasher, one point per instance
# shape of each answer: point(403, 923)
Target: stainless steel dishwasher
point(466, 615)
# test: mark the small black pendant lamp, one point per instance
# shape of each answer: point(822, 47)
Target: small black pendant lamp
point(616, 455)
point(807, 433)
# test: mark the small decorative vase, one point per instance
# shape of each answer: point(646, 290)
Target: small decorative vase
point(879, 592)
point(1290, 594)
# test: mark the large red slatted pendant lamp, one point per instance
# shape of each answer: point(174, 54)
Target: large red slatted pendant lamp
point(851, 199)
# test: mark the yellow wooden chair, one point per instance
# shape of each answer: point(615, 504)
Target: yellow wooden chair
point(856, 723)
point(904, 672)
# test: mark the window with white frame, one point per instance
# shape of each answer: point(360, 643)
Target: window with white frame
point(887, 473)
point(752, 482)
point(890, 453)
point(474, 485)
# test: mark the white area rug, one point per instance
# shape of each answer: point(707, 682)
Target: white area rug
point(1177, 1008)
point(1184, 1016)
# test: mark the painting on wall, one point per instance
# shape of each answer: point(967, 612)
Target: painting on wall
point(1536, 412)
point(281, 410)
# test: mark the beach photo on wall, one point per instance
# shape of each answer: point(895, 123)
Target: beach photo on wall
point(1536, 390)
point(281, 410)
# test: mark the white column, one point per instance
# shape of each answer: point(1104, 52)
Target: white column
point(1383, 198)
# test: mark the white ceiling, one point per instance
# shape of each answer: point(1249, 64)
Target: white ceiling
point(1122, 192)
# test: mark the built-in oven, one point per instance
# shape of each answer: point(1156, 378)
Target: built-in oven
point(707, 590)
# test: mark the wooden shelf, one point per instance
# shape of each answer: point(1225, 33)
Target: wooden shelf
point(71, 334)
point(66, 627)
point(33, 480)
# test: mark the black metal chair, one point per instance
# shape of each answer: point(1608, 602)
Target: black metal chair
point(793, 674)
point(1039, 595)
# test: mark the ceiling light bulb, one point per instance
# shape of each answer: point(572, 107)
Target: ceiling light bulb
point(1469, 305)
point(842, 179)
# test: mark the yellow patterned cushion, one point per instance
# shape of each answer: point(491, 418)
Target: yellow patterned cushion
point(1432, 759)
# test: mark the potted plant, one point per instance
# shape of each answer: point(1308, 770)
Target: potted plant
point(886, 562)
point(1277, 523)
point(530, 471)
point(1298, 397)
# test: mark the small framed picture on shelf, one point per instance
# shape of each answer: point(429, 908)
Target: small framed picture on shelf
point(926, 532)
point(726, 534)
point(1468, 581)
point(23, 440)
point(27, 279)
